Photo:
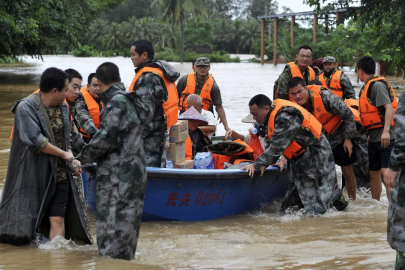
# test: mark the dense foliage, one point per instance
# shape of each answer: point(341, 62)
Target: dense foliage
point(379, 27)
point(38, 27)
point(108, 27)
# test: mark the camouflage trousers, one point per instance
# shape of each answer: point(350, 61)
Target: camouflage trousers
point(361, 167)
point(154, 148)
point(119, 214)
point(313, 183)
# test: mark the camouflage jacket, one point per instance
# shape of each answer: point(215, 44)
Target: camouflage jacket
point(282, 81)
point(117, 147)
point(313, 173)
point(83, 117)
point(347, 87)
point(150, 93)
point(335, 105)
point(396, 209)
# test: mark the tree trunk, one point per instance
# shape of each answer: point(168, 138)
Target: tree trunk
point(182, 39)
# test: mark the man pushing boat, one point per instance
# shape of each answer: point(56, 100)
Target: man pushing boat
point(117, 147)
point(296, 135)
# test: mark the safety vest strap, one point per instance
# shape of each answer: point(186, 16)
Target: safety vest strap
point(294, 150)
point(170, 105)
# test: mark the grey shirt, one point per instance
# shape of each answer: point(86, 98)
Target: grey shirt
point(379, 95)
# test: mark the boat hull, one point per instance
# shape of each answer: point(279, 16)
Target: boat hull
point(196, 195)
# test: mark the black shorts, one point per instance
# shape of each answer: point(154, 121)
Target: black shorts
point(57, 205)
point(341, 157)
point(379, 157)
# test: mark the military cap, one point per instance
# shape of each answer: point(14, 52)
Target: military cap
point(202, 61)
point(329, 59)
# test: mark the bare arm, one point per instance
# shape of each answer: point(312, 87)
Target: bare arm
point(208, 129)
point(234, 134)
point(385, 137)
point(222, 116)
point(55, 151)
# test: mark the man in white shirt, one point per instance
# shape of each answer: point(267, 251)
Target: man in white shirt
point(196, 102)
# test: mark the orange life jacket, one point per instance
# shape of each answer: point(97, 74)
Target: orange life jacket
point(94, 109)
point(334, 84)
point(329, 121)
point(170, 106)
point(370, 118)
point(353, 105)
point(36, 91)
point(309, 122)
point(296, 72)
point(189, 148)
point(219, 160)
point(205, 93)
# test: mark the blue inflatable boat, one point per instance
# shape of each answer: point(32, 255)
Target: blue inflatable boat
point(195, 195)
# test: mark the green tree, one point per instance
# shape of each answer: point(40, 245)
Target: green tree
point(114, 38)
point(224, 34)
point(256, 8)
point(176, 11)
point(97, 31)
point(131, 28)
point(198, 32)
point(383, 18)
point(128, 9)
point(36, 27)
point(150, 29)
point(251, 32)
point(170, 35)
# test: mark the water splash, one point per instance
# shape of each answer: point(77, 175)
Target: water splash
point(60, 243)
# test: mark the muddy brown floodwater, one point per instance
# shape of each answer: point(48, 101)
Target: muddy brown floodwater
point(261, 239)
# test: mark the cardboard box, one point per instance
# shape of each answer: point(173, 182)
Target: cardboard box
point(176, 152)
point(187, 164)
point(179, 131)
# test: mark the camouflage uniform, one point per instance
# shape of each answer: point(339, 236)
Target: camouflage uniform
point(335, 105)
point(313, 177)
point(347, 87)
point(83, 117)
point(150, 93)
point(396, 209)
point(360, 167)
point(282, 81)
point(117, 147)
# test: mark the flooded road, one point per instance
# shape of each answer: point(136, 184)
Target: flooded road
point(257, 240)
